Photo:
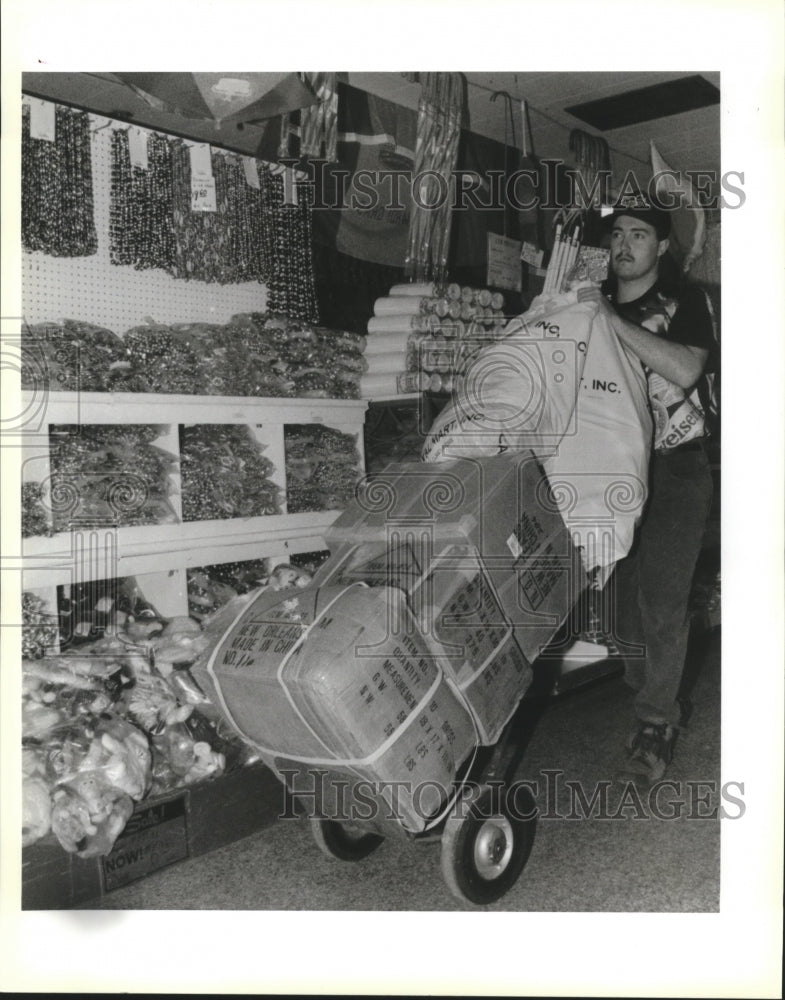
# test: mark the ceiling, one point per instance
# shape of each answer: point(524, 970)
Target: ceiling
point(687, 141)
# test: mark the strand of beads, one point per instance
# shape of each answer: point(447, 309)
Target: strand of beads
point(140, 205)
point(57, 188)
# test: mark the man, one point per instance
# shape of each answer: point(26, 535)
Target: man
point(671, 331)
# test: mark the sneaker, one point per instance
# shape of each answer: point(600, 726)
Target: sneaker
point(650, 751)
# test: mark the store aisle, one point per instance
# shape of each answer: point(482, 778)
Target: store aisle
point(634, 859)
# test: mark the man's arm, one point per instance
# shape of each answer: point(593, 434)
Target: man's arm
point(681, 364)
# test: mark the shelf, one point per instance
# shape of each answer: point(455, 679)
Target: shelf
point(43, 407)
point(162, 553)
point(96, 553)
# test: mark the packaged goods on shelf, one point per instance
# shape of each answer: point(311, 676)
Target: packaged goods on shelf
point(39, 627)
point(35, 516)
point(224, 473)
point(254, 355)
point(210, 587)
point(167, 362)
point(322, 467)
point(75, 355)
point(427, 330)
point(309, 562)
point(109, 474)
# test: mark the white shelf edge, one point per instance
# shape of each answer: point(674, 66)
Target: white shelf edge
point(120, 407)
point(102, 553)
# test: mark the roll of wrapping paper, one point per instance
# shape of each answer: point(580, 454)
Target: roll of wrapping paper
point(388, 343)
point(387, 364)
point(452, 328)
point(443, 383)
point(416, 288)
point(379, 385)
point(396, 324)
point(437, 359)
point(413, 382)
point(403, 305)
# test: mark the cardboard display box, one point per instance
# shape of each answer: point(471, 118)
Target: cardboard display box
point(162, 831)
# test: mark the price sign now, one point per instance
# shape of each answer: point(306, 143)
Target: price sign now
point(203, 194)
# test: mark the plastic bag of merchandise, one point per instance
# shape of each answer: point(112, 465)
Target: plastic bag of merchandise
point(179, 758)
point(102, 766)
point(166, 363)
point(561, 384)
point(36, 802)
point(74, 355)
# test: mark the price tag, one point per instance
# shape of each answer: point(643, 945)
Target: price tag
point(531, 255)
point(201, 161)
point(504, 262)
point(137, 147)
point(203, 194)
point(251, 172)
point(42, 120)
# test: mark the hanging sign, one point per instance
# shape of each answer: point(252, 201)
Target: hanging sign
point(201, 161)
point(42, 120)
point(504, 262)
point(289, 187)
point(202, 180)
point(137, 147)
point(531, 255)
point(251, 172)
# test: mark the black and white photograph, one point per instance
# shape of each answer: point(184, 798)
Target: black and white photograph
point(391, 510)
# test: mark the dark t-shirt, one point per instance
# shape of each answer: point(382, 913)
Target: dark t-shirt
point(684, 316)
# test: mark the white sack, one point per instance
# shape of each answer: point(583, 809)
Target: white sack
point(561, 384)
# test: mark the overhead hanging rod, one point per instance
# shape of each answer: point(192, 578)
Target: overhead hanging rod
point(554, 121)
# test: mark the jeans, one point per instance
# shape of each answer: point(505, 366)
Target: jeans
point(652, 584)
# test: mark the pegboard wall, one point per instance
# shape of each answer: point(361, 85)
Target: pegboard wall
point(94, 290)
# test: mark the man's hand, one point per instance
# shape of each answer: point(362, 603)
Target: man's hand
point(592, 293)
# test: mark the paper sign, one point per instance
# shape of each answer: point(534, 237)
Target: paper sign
point(289, 187)
point(137, 147)
point(42, 120)
point(203, 194)
point(531, 255)
point(201, 161)
point(504, 262)
point(251, 172)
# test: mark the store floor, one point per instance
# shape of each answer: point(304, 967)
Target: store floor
point(634, 858)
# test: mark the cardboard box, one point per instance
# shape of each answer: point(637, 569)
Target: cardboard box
point(162, 831)
point(413, 644)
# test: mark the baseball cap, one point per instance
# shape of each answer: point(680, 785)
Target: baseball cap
point(639, 207)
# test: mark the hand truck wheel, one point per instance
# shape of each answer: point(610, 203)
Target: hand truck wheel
point(343, 842)
point(485, 844)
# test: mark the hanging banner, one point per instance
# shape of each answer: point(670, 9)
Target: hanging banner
point(362, 202)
